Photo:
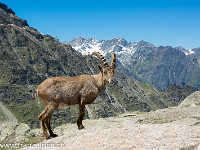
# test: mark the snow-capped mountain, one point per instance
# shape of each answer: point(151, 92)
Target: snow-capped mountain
point(186, 51)
point(86, 46)
point(160, 66)
point(117, 45)
point(123, 49)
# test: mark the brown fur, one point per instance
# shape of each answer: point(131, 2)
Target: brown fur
point(66, 91)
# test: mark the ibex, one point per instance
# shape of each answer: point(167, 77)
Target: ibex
point(66, 91)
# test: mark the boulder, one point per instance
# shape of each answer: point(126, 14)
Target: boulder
point(14, 132)
point(7, 129)
point(193, 99)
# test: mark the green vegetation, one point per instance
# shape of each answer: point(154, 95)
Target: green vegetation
point(3, 117)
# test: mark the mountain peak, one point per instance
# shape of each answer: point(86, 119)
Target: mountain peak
point(186, 51)
point(91, 39)
point(196, 50)
point(118, 37)
point(79, 38)
point(7, 16)
point(145, 44)
point(6, 8)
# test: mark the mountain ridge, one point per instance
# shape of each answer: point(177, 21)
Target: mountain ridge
point(79, 41)
point(8, 17)
point(160, 66)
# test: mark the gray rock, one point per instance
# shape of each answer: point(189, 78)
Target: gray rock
point(187, 121)
point(191, 100)
point(8, 116)
point(196, 116)
point(35, 132)
point(7, 129)
point(22, 129)
point(14, 132)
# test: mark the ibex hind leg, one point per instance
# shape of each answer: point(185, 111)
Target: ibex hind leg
point(47, 122)
point(42, 114)
point(44, 118)
point(51, 109)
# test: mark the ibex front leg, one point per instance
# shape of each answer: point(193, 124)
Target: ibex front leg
point(81, 114)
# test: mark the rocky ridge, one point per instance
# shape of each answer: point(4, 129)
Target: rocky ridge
point(175, 94)
point(118, 45)
point(8, 17)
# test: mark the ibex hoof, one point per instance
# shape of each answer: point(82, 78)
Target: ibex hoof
point(48, 137)
point(53, 135)
point(81, 127)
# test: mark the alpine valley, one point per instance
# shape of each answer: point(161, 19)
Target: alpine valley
point(159, 66)
point(28, 57)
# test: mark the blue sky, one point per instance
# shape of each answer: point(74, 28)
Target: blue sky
point(160, 22)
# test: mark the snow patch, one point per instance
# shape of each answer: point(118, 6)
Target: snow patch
point(189, 52)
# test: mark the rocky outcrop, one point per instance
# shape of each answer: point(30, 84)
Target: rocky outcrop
point(129, 131)
point(11, 132)
point(127, 136)
point(6, 115)
point(8, 17)
point(191, 100)
point(175, 94)
point(6, 9)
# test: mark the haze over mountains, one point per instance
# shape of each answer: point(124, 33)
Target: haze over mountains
point(160, 66)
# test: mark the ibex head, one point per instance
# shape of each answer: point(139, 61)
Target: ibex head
point(107, 71)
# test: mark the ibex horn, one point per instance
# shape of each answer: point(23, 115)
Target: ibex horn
point(113, 61)
point(101, 58)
